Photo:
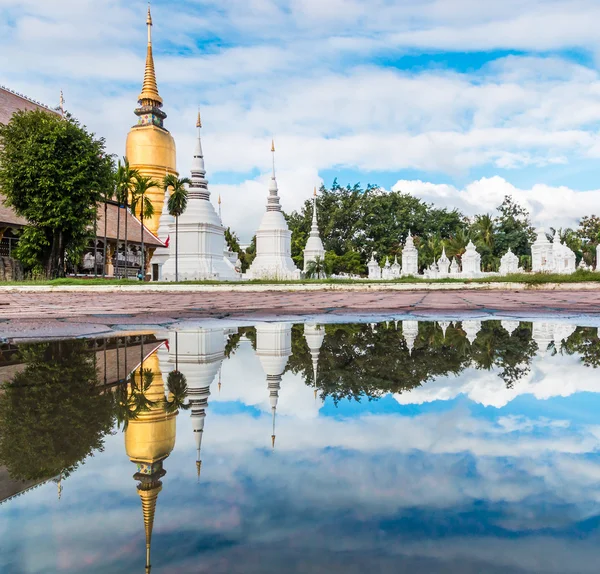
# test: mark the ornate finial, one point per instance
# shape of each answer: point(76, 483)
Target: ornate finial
point(198, 468)
point(199, 121)
point(273, 441)
point(219, 199)
point(315, 192)
point(316, 392)
point(149, 93)
point(272, 145)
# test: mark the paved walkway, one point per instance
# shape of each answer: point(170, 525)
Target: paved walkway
point(73, 314)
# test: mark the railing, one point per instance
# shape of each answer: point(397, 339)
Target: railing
point(7, 246)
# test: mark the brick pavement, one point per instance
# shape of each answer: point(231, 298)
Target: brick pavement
point(161, 307)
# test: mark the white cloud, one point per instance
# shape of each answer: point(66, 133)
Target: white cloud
point(549, 206)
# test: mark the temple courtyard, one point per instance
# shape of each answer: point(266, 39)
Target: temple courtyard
point(34, 313)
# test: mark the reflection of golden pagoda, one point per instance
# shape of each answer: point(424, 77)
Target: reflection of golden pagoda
point(150, 147)
point(149, 440)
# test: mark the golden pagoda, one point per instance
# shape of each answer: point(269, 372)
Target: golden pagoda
point(149, 440)
point(150, 148)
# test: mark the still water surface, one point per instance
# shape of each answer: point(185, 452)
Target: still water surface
point(428, 447)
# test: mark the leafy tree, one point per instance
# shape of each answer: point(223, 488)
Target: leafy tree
point(483, 230)
point(178, 392)
point(176, 205)
point(350, 262)
point(54, 413)
point(249, 255)
point(317, 268)
point(52, 172)
point(513, 230)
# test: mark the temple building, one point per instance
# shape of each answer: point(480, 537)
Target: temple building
point(200, 241)
point(273, 348)
point(149, 440)
point(314, 246)
point(150, 148)
point(273, 241)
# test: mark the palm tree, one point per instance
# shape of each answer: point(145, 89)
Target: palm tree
point(317, 268)
point(178, 391)
point(125, 179)
point(141, 185)
point(483, 231)
point(177, 205)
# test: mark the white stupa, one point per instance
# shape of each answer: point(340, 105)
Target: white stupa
point(314, 246)
point(273, 241)
point(201, 233)
point(273, 348)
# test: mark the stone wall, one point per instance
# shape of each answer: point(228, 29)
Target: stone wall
point(10, 269)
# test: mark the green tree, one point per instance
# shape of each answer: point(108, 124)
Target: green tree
point(513, 230)
point(54, 413)
point(141, 185)
point(483, 232)
point(317, 268)
point(52, 172)
point(177, 205)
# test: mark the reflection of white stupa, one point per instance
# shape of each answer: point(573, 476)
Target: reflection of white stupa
point(201, 233)
point(543, 335)
point(273, 348)
point(273, 241)
point(410, 330)
point(314, 335)
point(198, 354)
point(510, 326)
point(471, 328)
point(444, 326)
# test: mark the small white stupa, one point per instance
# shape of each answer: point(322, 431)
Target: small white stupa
point(542, 258)
point(509, 263)
point(201, 234)
point(374, 269)
point(410, 257)
point(314, 246)
point(273, 240)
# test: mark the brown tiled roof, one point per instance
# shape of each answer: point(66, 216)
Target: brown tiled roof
point(10, 102)
point(8, 217)
point(134, 226)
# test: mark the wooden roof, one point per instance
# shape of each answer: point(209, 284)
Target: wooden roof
point(134, 226)
point(8, 218)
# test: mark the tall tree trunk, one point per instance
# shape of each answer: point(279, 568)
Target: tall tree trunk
point(118, 233)
point(96, 242)
point(143, 250)
point(105, 234)
point(61, 254)
point(176, 249)
point(126, 250)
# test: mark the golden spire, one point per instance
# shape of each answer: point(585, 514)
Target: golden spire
point(149, 93)
point(149, 496)
point(198, 468)
point(273, 145)
point(315, 192)
point(199, 121)
point(219, 199)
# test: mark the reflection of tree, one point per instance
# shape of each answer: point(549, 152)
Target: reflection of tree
point(233, 341)
point(358, 360)
point(53, 414)
point(585, 342)
point(511, 354)
point(300, 360)
point(178, 391)
point(131, 399)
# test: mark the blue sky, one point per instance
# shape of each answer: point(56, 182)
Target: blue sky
point(456, 101)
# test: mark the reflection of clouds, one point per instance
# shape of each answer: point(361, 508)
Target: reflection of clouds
point(558, 376)
point(368, 490)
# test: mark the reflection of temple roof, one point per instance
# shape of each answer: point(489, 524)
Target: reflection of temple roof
point(10, 488)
